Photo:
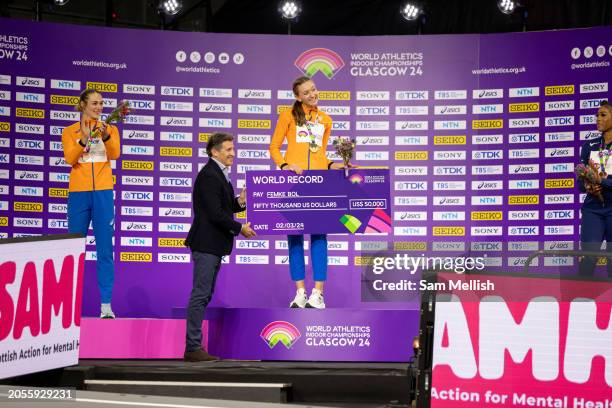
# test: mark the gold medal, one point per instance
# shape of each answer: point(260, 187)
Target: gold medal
point(314, 148)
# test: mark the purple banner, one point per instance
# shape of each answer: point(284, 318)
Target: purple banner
point(319, 202)
point(313, 335)
point(480, 134)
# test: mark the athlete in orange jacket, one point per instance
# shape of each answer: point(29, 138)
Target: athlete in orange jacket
point(306, 129)
point(89, 145)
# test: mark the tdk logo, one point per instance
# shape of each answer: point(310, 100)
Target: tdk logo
point(410, 185)
point(559, 214)
point(525, 138)
point(531, 230)
point(177, 91)
point(341, 125)
point(590, 103)
point(411, 95)
point(373, 110)
point(560, 121)
point(137, 195)
point(487, 154)
point(248, 244)
point(29, 144)
point(254, 154)
point(174, 182)
point(147, 105)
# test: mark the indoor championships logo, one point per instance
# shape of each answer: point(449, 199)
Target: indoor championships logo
point(319, 59)
point(280, 331)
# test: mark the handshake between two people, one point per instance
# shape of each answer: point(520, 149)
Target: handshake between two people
point(246, 230)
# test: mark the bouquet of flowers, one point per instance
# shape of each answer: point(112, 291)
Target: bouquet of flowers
point(116, 116)
point(590, 174)
point(344, 149)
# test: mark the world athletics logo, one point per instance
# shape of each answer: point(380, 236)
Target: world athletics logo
point(319, 59)
point(280, 331)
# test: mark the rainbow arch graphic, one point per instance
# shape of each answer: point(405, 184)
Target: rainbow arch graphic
point(319, 59)
point(280, 331)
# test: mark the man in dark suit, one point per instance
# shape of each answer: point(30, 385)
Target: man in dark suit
point(211, 235)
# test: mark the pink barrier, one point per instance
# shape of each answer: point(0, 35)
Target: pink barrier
point(134, 338)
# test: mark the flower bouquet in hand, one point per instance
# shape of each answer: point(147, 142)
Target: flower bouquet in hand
point(116, 116)
point(589, 174)
point(345, 148)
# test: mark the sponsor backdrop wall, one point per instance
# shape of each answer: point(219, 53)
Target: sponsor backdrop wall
point(481, 134)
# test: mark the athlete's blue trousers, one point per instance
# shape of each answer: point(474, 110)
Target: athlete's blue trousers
point(318, 252)
point(96, 207)
point(595, 226)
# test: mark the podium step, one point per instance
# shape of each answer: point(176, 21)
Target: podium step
point(240, 391)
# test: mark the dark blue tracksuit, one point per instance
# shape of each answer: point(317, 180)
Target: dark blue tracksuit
point(596, 224)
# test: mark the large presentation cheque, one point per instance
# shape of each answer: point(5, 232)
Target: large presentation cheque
point(319, 202)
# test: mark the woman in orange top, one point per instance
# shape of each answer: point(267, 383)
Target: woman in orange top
point(306, 129)
point(89, 145)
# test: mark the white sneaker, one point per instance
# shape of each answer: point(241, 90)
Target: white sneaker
point(106, 312)
point(299, 300)
point(315, 300)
